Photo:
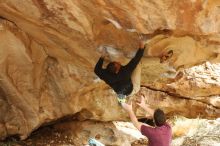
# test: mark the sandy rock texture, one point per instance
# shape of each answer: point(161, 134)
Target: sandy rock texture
point(48, 50)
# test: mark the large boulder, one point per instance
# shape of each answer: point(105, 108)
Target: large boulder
point(48, 51)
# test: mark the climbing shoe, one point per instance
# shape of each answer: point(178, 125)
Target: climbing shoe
point(121, 98)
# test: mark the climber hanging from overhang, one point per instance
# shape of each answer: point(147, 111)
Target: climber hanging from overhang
point(123, 79)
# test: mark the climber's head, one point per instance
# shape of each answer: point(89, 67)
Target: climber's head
point(159, 117)
point(165, 56)
point(113, 67)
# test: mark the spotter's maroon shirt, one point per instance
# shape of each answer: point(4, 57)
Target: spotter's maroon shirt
point(158, 136)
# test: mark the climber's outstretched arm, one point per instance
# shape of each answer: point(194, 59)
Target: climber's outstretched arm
point(98, 67)
point(134, 61)
point(99, 71)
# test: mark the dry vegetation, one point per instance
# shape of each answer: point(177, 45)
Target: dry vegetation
point(195, 132)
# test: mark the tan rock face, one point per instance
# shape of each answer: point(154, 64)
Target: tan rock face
point(48, 50)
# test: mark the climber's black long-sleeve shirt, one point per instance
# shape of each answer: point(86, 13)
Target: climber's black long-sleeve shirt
point(120, 82)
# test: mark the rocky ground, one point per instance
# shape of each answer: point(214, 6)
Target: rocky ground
point(186, 132)
point(47, 136)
